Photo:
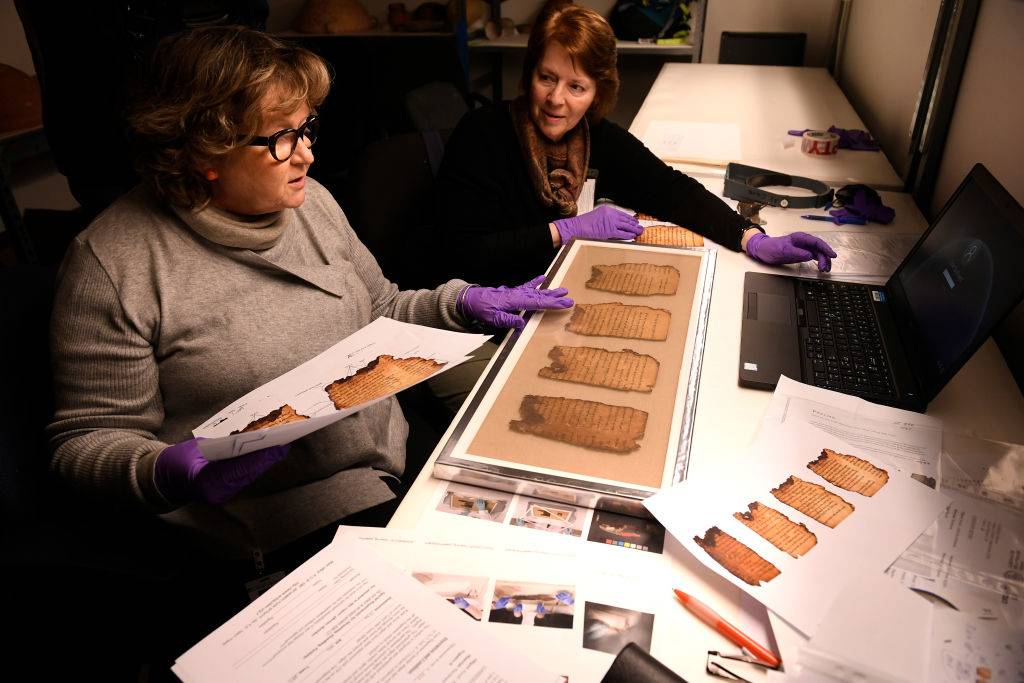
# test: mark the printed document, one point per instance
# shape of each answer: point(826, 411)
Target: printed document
point(910, 441)
point(797, 516)
point(369, 365)
point(348, 615)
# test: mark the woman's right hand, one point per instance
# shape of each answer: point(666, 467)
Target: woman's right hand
point(183, 474)
point(603, 223)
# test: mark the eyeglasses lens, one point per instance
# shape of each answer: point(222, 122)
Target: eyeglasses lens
point(284, 145)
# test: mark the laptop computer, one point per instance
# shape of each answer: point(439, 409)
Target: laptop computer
point(900, 343)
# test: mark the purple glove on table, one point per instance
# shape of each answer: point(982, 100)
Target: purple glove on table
point(499, 306)
point(603, 223)
point(182, 474)
point(866, 207)
point(792, 248)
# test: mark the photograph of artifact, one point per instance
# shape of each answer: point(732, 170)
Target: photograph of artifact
point(634, 279)
point(609, 629)
point(849, 472)
point(625, 370)
point(737, 558)
point(813, 500)
point(611, 528)
point(603, 427)
point(620, 320)
point(478, 503)
point(281, 416)
point(533, 604)
point(382, 376)
point(778, 529)
point(465, 592)
point(545, 515)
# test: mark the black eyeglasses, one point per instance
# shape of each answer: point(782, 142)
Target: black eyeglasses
point(282, 143)
point(739, 667)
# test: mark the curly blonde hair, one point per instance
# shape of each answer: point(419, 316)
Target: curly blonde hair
point(590, 42)
point(206, 95)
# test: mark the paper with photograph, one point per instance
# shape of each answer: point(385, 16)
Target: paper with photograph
point(566, 604)
point(910, 441)
point(348, 614)
point(375, 362)
point(796, 516)
point(966, 650)
point(973, 559)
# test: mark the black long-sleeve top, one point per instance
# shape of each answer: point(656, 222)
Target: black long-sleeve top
point(493, 227)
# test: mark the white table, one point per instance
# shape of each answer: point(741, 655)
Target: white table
point(981, 400)
point(765, 102)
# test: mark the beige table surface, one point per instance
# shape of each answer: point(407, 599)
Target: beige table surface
point(981, 400)
point(765, 102)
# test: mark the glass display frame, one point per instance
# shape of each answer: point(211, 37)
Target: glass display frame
point(556, 414)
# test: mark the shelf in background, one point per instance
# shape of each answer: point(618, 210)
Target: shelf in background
point(514, 43)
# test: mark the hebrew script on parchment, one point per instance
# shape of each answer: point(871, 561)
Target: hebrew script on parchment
point(582, 423)
point(625, 370)
point(620, 320)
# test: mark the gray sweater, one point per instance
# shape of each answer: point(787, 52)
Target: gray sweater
point(156, 328)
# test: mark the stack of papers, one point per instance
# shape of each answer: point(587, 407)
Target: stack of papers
point(835, 499)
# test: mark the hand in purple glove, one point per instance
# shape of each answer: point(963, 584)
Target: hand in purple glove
point(499, 306)
point(603, 223)
point(792, 248)
point(182, 473)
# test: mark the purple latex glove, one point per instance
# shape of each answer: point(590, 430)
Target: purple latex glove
point(866, 207)
point(603, 223)
point(792, 248)
point(182, 473)
point(499, 306)
point(855, 139)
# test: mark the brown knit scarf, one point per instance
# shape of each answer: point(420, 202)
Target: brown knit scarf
point(557, 169)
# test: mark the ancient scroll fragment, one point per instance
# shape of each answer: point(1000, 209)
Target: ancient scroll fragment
point(813, 500)
point(279, 416)
point(670, 236)
point(635, 279)
point(620, 320)
point(625, 370)
point(849, 472)
point(382, 376)
point(589, 424)
point(778, 529)
point(737, 558)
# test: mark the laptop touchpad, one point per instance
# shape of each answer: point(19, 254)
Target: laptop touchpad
point(769, 308)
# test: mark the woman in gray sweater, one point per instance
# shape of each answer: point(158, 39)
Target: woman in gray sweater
point(226, 268)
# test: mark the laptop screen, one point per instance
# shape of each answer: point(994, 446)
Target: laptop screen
point(963, 278)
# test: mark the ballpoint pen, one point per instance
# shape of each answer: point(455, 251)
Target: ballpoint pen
point(709, 617)
point(853, 220)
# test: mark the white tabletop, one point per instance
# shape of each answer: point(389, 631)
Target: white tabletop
point(765, 102)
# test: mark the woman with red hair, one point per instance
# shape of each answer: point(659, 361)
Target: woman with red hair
point(513, 172)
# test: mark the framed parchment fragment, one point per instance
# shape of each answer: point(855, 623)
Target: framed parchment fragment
point(593, 405)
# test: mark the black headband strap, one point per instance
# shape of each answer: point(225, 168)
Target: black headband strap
point(743, 183)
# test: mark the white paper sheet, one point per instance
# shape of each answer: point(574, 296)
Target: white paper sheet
point(866, 542)
point(694, 141)
point(875, 630)
point(972, 558)
point(965, 650)
point(910, 441)
point(303, 387)
point(988, 470)
point(347, 614)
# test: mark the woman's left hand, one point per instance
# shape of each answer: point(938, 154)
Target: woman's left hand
point(500, 306)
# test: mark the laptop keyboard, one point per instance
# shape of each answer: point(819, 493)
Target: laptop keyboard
point(843, 344)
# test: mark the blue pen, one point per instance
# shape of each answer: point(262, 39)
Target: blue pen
point(854, 220)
